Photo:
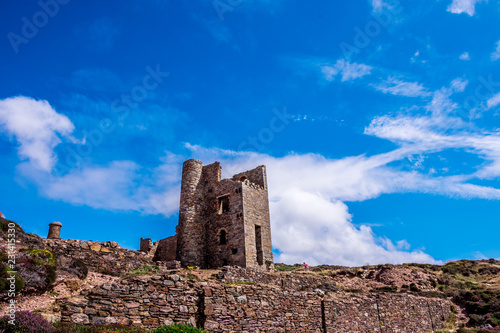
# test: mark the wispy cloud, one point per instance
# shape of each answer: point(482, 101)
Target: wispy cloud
point(495, 55)
point(379, 5)
point(493, 101)
point(395, 86)
point(347, 70)
point(464, 6)
point(465, 56)
point(118, 186)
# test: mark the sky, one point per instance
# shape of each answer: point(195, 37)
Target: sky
point(377, 120)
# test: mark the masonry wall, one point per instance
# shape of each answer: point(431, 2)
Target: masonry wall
point(166, 249)
point(261, 309)
point(231, 222)
point(256, 176)
point(384, 313)
point(153, 301)
point(256, 213)
point(138, 301)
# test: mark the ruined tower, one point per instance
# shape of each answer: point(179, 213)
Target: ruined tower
point(223, 222)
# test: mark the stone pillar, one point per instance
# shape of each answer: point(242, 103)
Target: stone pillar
point(146, 245)
point(55, 230)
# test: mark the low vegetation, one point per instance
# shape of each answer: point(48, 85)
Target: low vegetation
point(283, 267)
point(145, 269)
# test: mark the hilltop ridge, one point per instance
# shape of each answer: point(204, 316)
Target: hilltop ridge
point(84, 282)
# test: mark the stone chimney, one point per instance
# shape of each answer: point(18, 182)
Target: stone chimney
point(146, 245)
point(55, 230)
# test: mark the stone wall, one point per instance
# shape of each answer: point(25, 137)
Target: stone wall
point(261, 309)
point(232, 251)
point(153, 301)
point(105, 257)
point(300, 282)
point(384, 313)
point(139, 301)
point(166, 249)
point(255, 176)
point(259, 252)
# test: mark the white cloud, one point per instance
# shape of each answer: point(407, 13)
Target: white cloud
point(308, 227)
point(36, 127)
point(310, 220)
point(465, 56)
point(496, 54)
point(493, 101)
point(379, 5)
point(442, 130)
point(348, 71)
point(464, 6)
point(395, 86)
point(119, 186)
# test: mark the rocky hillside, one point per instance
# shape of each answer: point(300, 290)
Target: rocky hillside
point(55, 272)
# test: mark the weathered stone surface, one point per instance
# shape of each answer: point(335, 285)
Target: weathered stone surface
point(80, 318)
point(95, 247)
point(166, 249)
point(241, 299)
point(104, 249)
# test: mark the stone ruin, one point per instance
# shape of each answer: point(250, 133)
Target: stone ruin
point(221, 221)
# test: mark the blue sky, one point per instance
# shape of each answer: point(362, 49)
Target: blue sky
point(377, 120)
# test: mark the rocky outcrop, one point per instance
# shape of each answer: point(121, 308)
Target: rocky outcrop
point(106, 257)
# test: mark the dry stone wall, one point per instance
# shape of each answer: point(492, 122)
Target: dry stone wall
point(261, 309)
point(139, 301)
point(370, 312)
point(153, 301)
point(305, 282)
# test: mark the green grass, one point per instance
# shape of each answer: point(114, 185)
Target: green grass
point(285, 268)
point(145, 269)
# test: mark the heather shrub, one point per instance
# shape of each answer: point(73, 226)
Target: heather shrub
point(26, 322)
